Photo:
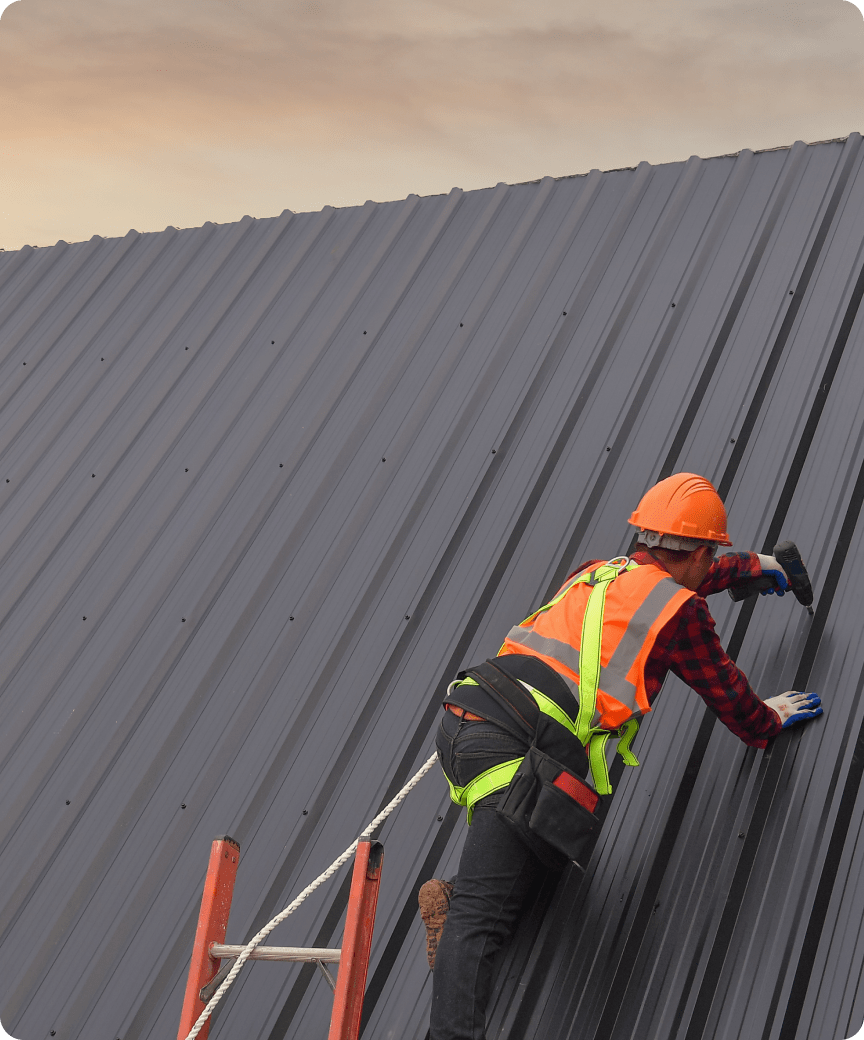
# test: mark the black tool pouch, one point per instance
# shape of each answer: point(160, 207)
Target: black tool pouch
point(538, 805)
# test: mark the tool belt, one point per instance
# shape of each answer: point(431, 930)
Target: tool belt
point(543, 799)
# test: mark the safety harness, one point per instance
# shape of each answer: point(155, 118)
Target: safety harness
point(594, 739)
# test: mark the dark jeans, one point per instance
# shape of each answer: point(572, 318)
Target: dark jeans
point(496, 874)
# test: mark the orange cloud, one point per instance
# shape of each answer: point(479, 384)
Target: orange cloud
point(182, 111)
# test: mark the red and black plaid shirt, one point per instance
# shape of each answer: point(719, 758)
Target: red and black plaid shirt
point(689, 647)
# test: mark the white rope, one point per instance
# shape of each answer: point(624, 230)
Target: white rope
point(243, 956)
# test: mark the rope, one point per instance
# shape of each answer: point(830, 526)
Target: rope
point(243, 956)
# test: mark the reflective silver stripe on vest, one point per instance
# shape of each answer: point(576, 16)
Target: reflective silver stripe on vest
point(613, 678)
point(553, 648)
point(562, 652)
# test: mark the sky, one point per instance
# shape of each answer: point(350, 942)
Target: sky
point(119, 114)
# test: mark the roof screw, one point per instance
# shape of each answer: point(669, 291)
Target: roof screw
point(291, 618)
point(84, 618)
point(92, 474)
point(68, 802)
point(383, 460)
point(673, 304)
point(183, 805)
point(182, 618)
point(494, 450)
point(608, 449)
point(791, 292)
point(740, 834)
point(280, 465)
point(305, 812)
point(272, 342)
point(440, 818)
point(407, 617)
point(461, 325)
point(364, 332)
point(731, 440)
point(565, 314)
point(187, 469)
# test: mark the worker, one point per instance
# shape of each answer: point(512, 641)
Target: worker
point(582, 668)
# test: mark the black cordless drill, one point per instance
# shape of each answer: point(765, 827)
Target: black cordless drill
point(787, 555)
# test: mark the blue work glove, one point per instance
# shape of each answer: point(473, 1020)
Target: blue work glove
point(773, 569)
point(795, 707)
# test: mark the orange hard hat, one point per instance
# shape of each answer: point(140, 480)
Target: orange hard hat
point(685, 505)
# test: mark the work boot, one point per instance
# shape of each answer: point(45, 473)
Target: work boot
point(434, 900)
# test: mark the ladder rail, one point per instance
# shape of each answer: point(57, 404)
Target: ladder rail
point(357, 943)
point(212, 925)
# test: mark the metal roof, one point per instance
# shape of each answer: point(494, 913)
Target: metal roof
point(266, 486)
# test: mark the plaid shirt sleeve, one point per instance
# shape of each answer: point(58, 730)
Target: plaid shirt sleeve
point(729, 570)
point(697, 657)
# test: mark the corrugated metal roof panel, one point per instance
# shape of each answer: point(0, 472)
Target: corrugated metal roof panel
point(266, 486)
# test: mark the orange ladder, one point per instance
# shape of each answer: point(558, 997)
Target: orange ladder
point(209, 950)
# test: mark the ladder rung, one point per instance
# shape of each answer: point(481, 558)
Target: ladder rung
point(275, 953)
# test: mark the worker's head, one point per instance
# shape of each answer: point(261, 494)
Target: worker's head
point(682, 520)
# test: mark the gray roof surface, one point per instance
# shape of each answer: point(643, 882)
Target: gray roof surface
point(266, 486)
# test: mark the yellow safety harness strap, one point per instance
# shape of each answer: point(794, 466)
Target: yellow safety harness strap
point(549, 707)
point(590, 645)
point(626, 733)
point(589, 653)
point(591, 641)
point(488, 782)
point(596, 748)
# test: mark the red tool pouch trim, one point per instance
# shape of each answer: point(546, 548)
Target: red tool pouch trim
point(578, 791)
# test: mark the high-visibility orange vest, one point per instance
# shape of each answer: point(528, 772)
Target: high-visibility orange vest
point(638, 603)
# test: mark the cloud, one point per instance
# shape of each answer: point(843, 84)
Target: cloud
point(267, 69)
point(303, 102)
